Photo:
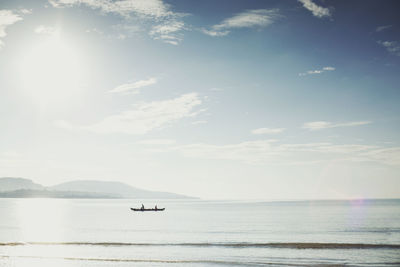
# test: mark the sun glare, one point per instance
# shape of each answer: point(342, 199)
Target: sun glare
point(51, 71)
point(41, 219)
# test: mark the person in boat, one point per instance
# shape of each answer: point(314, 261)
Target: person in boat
point(142, 208)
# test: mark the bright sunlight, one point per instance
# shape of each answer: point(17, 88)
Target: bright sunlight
point(51, 71)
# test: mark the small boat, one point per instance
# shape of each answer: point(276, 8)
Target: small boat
point(158, 209)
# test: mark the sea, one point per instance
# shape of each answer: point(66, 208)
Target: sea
point(106, 232)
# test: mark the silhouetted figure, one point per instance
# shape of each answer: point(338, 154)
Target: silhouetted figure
point(156, 207)
point(142, 208)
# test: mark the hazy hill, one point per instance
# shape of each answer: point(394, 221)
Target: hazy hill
point(116, 189)
point(12, 184)
point(20, 187)
point(29, 193)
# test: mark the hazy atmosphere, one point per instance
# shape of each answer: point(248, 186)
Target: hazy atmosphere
point(223, 99)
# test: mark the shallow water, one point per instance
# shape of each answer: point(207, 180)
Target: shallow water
point(60, 232)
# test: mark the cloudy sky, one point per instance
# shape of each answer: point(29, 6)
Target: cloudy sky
point(215, 99)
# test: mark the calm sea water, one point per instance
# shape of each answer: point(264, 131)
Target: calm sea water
point(58, 232)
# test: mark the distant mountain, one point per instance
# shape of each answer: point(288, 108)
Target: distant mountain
point(116, 189)
point(12, 184)
point(28, 193)
point(20, 187)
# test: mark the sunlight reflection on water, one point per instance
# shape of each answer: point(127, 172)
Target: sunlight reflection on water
point(41, 219)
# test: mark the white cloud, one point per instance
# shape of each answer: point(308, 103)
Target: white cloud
point(392, 47)
point(390, 156)
point(271, 152)
point(133, 88)
point(147, 8)
point(249, 152)
point(314, 72)
point(319, 125)
point(316, 10)
point(95, 30)
point(156, 142)
point(382, 28)
point(47, 30)
point(168, 22)
point(328, 68)
point(247, 19)
point(267, 130)
point(215, 33)
point(7, 18)
point(167, 28)
point(144, 117)
point(324, 69)
point(169, 41)
point(168, 32)
point(25, 11)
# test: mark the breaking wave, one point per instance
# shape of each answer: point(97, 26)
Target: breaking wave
point(227, 245)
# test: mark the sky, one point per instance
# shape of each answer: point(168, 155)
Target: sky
point(226, 99)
